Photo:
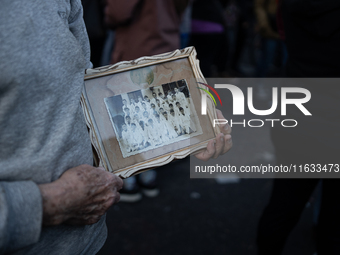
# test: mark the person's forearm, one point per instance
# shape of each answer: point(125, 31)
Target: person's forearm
point(20, 214)
point(52, 195)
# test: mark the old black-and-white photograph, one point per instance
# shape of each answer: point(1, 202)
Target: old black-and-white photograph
point(151, 118)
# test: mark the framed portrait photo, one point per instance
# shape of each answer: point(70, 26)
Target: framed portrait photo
point(144, 113)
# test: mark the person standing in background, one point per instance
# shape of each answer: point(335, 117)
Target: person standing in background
point(96, 30)
point(312, 34)
point(144, 28)
point(265, 11)
point(209, 36)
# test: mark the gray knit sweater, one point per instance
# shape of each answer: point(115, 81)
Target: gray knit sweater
point(44, 51)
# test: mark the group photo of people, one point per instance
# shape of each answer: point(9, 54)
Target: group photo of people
point(150, 118)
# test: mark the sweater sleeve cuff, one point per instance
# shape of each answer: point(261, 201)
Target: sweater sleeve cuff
point(23, 214)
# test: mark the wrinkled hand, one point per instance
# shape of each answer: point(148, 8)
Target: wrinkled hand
point(220, 145)
point(80, 196)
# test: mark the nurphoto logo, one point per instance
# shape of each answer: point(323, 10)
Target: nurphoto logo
point(239, 104)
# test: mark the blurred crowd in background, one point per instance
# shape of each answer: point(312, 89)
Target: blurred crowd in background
point(243, 38)
point(232, 38)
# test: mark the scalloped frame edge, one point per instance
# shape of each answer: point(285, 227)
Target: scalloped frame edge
point(123, 66)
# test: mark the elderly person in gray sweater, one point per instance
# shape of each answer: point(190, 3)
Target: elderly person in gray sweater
point(46, 177)
point(52, 200)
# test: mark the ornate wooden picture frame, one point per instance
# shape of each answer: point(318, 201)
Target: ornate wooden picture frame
point(144, 113)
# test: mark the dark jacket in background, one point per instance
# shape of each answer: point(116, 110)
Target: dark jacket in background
point(312, 35)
